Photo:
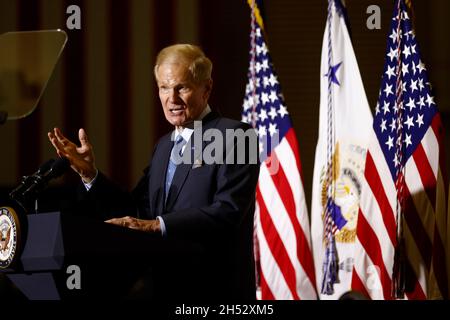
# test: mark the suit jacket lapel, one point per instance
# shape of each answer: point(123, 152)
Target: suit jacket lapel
point(183, 169)
point(158, 176)
point(177, 183)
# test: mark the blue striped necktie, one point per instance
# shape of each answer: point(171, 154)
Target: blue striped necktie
point(175, 159)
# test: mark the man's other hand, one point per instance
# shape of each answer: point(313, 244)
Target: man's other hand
point(137, 224)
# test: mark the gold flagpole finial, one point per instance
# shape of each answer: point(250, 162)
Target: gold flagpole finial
point(256, 12)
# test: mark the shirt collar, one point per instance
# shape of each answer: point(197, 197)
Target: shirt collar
point(186, 133)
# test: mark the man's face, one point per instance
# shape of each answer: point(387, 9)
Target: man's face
point(182, 100)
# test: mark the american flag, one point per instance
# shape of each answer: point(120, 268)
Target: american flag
point(405, 161)
point(282, 236)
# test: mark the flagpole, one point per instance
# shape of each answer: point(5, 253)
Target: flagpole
point(253, 61)
point(398, 272)
point(330, 266)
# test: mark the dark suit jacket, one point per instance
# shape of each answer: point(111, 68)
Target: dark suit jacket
point(209, 204)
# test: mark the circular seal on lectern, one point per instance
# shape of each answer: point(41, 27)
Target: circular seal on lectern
point(9, 236)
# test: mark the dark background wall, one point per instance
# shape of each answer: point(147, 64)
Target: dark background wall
point(104, 80)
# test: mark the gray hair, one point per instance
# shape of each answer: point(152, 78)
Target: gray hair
point(197, 62)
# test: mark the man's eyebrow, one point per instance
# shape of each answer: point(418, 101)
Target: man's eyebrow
point(183, 84)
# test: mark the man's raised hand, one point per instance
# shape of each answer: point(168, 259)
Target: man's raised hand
point(82, 159)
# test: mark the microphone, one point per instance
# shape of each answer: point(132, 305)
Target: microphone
point(27, 180)
point(45, 166)
point(30, 186)
point(40, 180)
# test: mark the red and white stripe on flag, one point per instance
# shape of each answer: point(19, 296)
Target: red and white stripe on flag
point(426, 221)
point(282, 227)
